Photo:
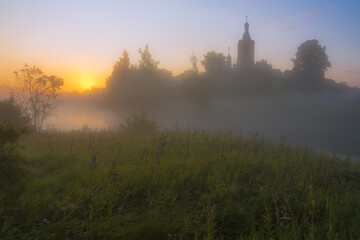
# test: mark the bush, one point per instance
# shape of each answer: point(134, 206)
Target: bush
point(139, 124)
point(11, 112)
point(9, 159)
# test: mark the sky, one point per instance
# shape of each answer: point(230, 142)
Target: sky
point(81, 40)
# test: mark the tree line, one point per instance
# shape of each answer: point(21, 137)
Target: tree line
point(145, 86)
point(138, 86)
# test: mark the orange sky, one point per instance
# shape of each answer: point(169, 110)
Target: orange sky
point(79, 71)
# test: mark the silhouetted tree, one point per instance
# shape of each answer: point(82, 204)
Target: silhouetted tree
point(143, 87)
point(123, 64)
point(194, 83)
point(266, 79)
point(263, 65)
point(120, 68)
point(194, 60)
point(39, 96)
point(214, 62)
point(146, 61)
point(310, 64)
point(311, 59)
point(11, 112)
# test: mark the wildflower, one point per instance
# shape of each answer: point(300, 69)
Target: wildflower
point(283, 210)
point(121, 208)
point(44, 221)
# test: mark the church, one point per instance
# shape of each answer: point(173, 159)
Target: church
point(246, 51)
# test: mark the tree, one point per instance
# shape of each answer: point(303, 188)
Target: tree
point(12, 113)
point(146, 61)
point(40, 92)
point(123, 63)
point(214, 63)
point(194, 60)
point(311, 61)
point(120, 68)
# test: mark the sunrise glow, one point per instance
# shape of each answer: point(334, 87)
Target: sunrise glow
point(86, 82)
point(80, 36)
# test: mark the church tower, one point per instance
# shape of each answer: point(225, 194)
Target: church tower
point(246, 50)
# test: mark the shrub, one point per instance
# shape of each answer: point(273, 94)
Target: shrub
point(11, 112)
point(9, 159)
point(139, 124)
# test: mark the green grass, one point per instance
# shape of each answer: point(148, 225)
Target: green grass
point(194, 185)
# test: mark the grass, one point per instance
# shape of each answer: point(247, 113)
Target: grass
point(178, 185)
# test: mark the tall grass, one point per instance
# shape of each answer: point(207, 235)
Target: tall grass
point(178, 185)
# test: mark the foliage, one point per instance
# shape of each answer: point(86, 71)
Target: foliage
point(9, 159)
point(193, 61)
point(121, 69)
point(311, 60)
point(133, 88)
point(146, 61)
point(214, 62)
point(184, 185)
point(11, 112)
point(123, 64)
point(39, 96)
point(194, 83)
point(139, 124)
point(136, 88)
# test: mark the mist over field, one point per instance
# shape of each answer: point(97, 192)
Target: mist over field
point(302, 106)
point(326, 122)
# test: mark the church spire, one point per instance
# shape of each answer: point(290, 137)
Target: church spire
point(246, 50)
point(246, 35)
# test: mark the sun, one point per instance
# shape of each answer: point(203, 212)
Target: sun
point(86, 83)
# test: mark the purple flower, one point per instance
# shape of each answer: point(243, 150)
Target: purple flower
point(286, 218)
point(44, 221)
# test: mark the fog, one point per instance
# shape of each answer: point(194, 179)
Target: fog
point(328, 122)
point(300, 104)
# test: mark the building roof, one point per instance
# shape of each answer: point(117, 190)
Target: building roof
point(246, 35)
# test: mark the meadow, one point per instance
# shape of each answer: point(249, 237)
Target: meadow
point(177, 185)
